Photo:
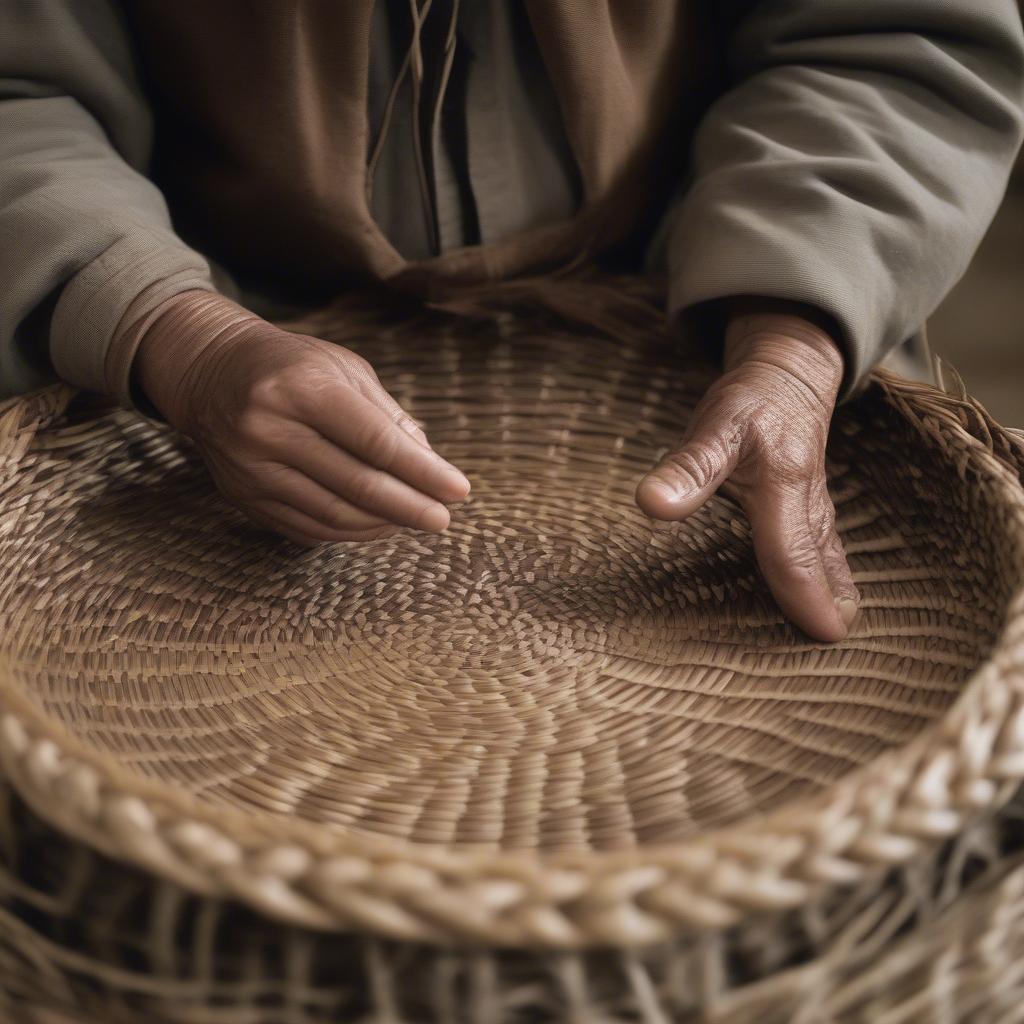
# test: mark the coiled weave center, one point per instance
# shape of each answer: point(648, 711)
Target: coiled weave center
point(554, 672)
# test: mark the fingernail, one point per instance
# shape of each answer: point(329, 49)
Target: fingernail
point(847, 610)
point(458, 481)
point(664, 490)
point(434, 519)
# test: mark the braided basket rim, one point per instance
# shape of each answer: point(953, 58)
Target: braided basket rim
point(965, 764)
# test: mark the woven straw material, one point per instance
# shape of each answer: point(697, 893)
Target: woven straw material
point(942, 941)
point(557, 726)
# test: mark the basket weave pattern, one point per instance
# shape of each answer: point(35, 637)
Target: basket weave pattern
point(941, 939)
point(557, 727)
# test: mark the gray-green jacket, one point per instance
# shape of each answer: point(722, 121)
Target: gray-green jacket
point(847, 154)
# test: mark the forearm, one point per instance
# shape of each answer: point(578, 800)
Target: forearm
point(82, 224)
point(854, 163)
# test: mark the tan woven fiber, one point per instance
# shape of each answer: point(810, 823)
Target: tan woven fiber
point(940, 941)
point(558, 726)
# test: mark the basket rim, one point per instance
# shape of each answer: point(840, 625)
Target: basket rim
point(964, 764)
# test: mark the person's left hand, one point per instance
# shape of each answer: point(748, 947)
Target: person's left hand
point(759, 435)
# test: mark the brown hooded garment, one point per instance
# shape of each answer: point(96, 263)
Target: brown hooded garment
point(846, 155)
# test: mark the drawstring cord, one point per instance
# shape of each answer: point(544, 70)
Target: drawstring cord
point(413, 62)
point(417, 102)
point(446, 71)
point(389, 106)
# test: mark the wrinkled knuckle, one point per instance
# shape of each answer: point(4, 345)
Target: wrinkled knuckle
point(799, 561)
point(379, 443)
point(824, 519)
point(803, 559)
point(336, 513)
point(269, 480)
point(811, 459)
point(268, 391)
point(794, 461)
point(366, 488)
point(691, 467)
point(253, 426)
point(359, 365)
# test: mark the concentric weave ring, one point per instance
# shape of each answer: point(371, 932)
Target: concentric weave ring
point(368, 734)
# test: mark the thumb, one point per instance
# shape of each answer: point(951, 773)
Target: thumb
point(685, 478)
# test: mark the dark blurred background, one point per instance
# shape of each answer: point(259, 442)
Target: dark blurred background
point(979, 329)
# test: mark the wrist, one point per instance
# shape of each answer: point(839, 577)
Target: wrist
point(186, 330)
point(788, 336)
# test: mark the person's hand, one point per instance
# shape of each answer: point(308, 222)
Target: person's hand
point(759, 435)
point(297, 432)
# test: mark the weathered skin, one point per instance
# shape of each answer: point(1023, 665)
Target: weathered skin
point(759, 434)
point(297, 432)
point(302, 437)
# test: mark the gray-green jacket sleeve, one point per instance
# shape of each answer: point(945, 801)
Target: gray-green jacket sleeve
point(854, 161)
point(83, 233)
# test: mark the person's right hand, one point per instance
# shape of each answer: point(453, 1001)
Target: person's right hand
point(297, 432)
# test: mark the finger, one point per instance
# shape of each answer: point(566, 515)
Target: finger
point(374, 491)
point(685, 478)
point(290, 487)
point(382, 398)
point(300, 528)
point(357, 425)
point(790, 537)
point(369, 385)
point(411, 427)
point(837, 568)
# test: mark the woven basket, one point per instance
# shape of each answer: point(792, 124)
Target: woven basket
point(560, 763)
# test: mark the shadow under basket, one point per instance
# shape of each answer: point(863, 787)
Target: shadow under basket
point(560, 763)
